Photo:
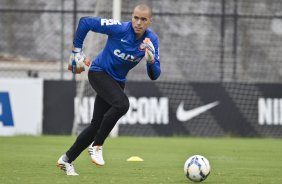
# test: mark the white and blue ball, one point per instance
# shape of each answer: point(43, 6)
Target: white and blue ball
point(197, 168)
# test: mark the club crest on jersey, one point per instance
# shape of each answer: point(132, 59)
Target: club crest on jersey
point(109, 22)
point(126, 57)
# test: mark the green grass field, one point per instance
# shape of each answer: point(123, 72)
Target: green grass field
point(27, 159)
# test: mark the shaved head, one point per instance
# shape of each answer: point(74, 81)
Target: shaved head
point(144, 7)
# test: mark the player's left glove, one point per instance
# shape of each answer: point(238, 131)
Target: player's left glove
point(150, 51)
point(77, 61)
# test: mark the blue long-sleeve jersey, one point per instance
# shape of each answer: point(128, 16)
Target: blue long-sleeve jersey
point(122, 51)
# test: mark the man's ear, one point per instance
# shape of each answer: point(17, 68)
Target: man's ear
point(151, 20)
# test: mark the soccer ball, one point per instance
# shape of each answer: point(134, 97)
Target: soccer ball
point(197, 168)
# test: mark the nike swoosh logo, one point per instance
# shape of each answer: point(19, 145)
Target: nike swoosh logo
point(185, 115)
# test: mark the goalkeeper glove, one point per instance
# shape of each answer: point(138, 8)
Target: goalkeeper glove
point(150, 51)
point(77, 61)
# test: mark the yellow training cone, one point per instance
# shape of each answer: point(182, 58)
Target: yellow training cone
point(134, 159)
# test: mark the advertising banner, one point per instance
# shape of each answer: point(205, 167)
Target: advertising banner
point(196, 109)
point(21, 106)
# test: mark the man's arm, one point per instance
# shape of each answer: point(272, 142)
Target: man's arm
point(152, 58)
point(154, 70)
point(95, 24)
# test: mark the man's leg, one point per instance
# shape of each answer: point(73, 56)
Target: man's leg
point(86, 137)
point(110, 104)
point(112, 92)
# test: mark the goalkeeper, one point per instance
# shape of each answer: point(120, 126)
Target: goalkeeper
point(127, 44)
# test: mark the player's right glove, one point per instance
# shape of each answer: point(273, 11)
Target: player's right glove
point(77, 61)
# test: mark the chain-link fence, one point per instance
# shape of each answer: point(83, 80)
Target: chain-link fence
point(204, 40)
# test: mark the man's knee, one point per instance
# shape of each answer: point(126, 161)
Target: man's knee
point(122, 105)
